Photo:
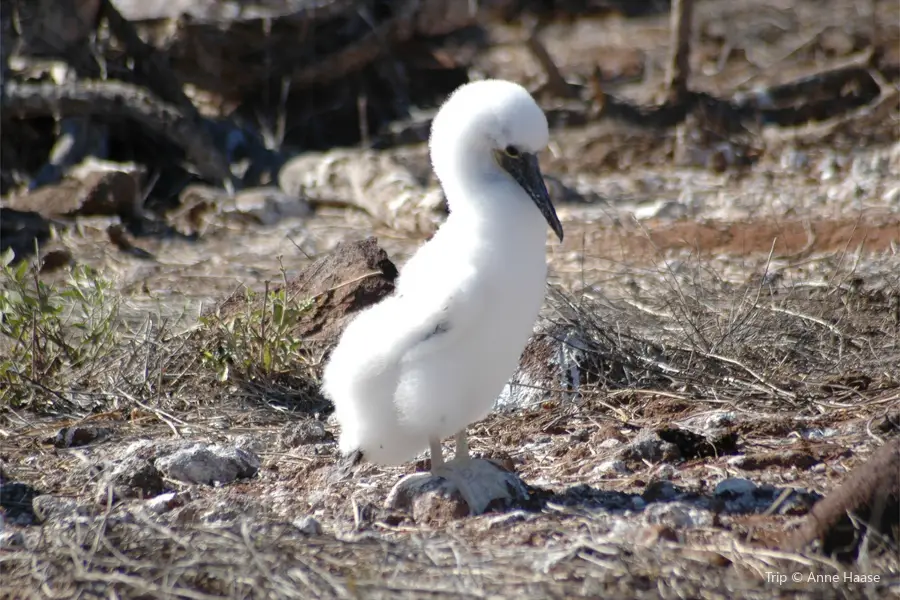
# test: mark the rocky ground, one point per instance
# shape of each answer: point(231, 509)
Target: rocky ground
point(719, 350)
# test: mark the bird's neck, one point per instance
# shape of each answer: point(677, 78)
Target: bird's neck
point(497, 213)
point(487, 207)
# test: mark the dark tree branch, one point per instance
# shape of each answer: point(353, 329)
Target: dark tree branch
point(679, 70)
point(103, 99)
point(869, 488)
point(556, 83)
point(159, 78)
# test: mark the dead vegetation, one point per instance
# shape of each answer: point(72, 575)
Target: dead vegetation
point(70, 352)
point(277, 560)
point(720, 347)
point(718, 372)
point(770, 340)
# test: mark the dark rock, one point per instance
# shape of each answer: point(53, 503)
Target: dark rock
point(648, 446)
point(661, 491)
point(433, 499)
point(308, 526)
point(693, 445)
point(21, 230)
point(133, 477)
point(55, 260)
point(354, 276)
point(346, 467)
point(72, 437)
point(227, 511)
point(97, 193)
point(216, 511)
point(612, 466)
point(434, 502)
point(734, 487)
point(57, 508)
point(16, 501)
point(317, 306)
point(64, 27)
point(208, 464)
point(310, 431)
point(742, 496)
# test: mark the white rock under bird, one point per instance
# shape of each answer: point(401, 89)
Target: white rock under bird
point(424, 363)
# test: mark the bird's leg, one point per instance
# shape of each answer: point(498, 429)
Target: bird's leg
point(437, 454)
point(413, 482)
point(462, 447)
point(478, 481)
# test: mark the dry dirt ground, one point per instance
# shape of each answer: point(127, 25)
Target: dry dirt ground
point(756, 306)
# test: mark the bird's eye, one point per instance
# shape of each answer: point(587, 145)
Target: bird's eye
point(512, 151)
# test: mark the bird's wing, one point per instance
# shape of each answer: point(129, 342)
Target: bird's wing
point(365, 368)
point(439, 296)
point(416, 321)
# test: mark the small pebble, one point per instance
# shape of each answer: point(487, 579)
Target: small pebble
point(308, 525)
point(735, 486)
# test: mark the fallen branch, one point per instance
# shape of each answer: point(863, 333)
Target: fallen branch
point(804, 100)
point(866, 117)
point(116, 99)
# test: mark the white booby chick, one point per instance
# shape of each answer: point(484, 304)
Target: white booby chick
point(424, 363)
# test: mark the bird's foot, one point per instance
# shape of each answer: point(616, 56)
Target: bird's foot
point(405, 490)
point(479, 482)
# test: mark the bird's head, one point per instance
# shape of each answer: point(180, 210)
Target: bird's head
point(494, 129)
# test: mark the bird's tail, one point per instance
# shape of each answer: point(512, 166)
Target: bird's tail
point(361, 379)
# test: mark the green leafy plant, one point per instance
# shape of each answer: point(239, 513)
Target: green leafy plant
point(259, 341)
point(46, 330)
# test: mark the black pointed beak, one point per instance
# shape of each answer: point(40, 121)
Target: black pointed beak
point(524, 168)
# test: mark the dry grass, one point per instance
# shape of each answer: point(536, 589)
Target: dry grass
point(782, 355)
point(72, 355)
point(132, 556)
point(769, 343)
